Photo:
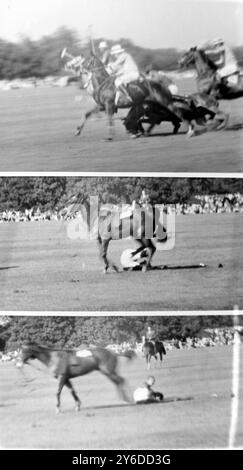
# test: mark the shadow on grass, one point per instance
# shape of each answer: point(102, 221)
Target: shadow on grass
point(164, 267)
point(8, 267)
point(235, 127)
point(129, 405)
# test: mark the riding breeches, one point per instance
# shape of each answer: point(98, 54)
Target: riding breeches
point(126, 78)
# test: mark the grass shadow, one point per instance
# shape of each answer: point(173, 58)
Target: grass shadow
point(129, 405)
point(8, 267)
point(164, 267)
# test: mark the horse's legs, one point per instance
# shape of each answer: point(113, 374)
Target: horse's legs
point(74, 394)
point(119, 382)
point(103, 248)
point(221, 118)
point(191, 129)
point(148, 244)
point(177, 125)
point(61, 384)
point(150, 128)
point(87, 115)
point(110, 111)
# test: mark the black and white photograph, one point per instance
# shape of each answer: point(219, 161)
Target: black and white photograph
point(121, 229)
point(121, 86)
point(115, 382)
point(120, 244)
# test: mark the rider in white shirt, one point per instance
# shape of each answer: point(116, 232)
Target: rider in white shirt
point(124, 68)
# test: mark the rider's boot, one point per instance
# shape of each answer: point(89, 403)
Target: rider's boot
point(122, 90)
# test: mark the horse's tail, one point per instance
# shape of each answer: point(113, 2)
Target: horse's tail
point(129, 354)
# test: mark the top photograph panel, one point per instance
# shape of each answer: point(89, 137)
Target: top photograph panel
point(124, 86)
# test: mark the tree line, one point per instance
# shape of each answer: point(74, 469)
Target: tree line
point(41, 58)
point(49, 193)
point(70, 332)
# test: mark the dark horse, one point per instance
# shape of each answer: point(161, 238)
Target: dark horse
point(152, 350)
point(197, 107)
point(207, 80)
point(111, 223)
point(67, 364)
point(95, 78)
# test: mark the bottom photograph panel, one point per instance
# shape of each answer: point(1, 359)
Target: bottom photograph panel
point(121, 382)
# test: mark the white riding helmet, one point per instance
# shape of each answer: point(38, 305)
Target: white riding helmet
point(217, 42)
point(117, 49)
point(103, 45)
point(150, 381)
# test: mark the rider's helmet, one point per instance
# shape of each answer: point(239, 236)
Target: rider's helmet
point(217, 42)
point(117, 49)
point(150, 381)
point(103, 45)
point(144, 199)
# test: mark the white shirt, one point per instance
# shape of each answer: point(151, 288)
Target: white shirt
point(141, 394)
point(124, 64)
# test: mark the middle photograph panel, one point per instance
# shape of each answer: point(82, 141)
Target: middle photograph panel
point(120, 243)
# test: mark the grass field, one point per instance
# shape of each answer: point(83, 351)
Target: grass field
point(195, 414)
point(42, 269)
point(37, 134)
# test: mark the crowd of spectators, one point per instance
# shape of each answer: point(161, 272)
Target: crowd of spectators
point(216, 337)
point(212, 204)
point(29, 215)
point(213, 337)
point(201, 205)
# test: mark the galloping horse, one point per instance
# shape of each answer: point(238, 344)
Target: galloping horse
point(100, 84)
point(207, 81)
point(142, 224)
point(66, 364)
point(151, 350)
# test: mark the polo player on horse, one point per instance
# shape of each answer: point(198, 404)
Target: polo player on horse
point(222, 56)
point(124, 68)
point(104, 53)
point(151, 336)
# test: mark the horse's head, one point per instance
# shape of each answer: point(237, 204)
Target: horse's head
point(196, 57)
point(95, 67)
point(28, 351)
point(188, 58)
point(86, 80)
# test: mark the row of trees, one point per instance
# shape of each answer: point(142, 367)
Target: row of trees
point(50, 193)
point(74, 331)
point(41, 58)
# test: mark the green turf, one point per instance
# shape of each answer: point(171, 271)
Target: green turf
point(41, 269)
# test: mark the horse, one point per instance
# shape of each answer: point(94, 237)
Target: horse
point(113, 223)
point(151, 350)
point(66, 364)
point(198, 108)
point(207, 81)
point(101, 85)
